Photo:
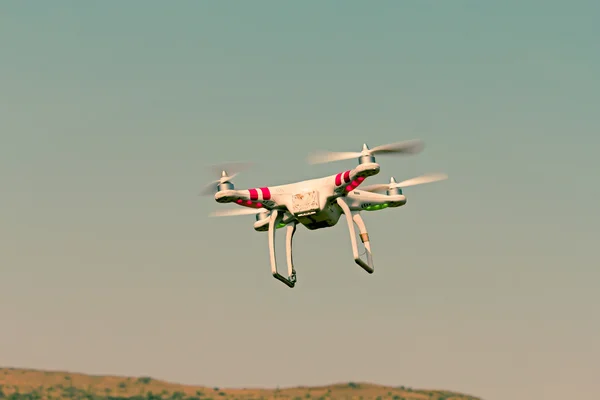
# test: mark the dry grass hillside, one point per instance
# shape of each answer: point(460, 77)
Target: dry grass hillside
point(21, 384)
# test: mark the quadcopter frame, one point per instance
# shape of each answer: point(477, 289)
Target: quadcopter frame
point(332, 196)
point(320, 203)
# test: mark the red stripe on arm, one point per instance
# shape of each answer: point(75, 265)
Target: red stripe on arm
point(253, 194)
point(338, 179)
point(347, 176)
point(266, 193)
point(355, 183)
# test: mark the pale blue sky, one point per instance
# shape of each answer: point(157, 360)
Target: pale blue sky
point(486, 283)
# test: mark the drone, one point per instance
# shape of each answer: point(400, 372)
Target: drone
point(319, 203)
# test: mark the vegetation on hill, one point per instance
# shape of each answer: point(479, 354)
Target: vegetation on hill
point(26, 384)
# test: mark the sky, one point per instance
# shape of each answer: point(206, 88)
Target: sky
point(112, 112)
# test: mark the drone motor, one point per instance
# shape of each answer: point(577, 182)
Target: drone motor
point(366, 157)
point(393, 189)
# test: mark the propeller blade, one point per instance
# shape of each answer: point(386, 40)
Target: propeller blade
point(321, 157)
point(406, 147)
point(209, 189)
point(378, 187)
point(419, 180)
point(232, 168)
point(226, 172)
point(236, 212)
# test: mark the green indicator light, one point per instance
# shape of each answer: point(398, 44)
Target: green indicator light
point(377, 207)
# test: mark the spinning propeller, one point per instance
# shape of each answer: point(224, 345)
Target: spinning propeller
point(238, 211)
point(419, 180)
point(233, 168)
point(406, 147)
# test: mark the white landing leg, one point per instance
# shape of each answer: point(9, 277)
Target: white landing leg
point(273, 220)
point(355, 218)
point(364, 237)
point(291, 229)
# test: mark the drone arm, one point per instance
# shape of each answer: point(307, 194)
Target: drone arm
point(231, 196)
point(349, 180)
point(253, 198)
point(361, 200)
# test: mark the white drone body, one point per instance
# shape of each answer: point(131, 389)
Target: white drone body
point(319, 203)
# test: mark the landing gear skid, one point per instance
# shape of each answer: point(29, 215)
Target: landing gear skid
point(274, 219)
point(355, 218)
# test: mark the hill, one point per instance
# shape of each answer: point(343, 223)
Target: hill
point(22, 384)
